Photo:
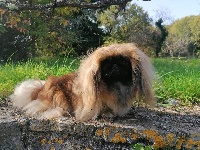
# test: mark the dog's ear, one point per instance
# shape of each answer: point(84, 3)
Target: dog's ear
point(147, 75)
point(137, 78)
point(88, 84)
point(97, 80)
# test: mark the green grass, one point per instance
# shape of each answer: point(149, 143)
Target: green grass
point(11, 74)
point(178, 79)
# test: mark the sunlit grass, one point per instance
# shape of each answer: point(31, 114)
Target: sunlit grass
point(178, 79)
point(11, 74)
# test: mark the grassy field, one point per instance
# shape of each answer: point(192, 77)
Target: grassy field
point(11, 74)
point(177, 79)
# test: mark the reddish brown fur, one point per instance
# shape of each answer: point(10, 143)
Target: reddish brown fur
point(57, 92)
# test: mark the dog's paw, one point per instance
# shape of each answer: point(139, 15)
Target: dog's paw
point(52, 113)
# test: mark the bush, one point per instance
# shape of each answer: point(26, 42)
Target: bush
point(15, 46)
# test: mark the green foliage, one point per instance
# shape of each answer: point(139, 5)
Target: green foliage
point(108, 19)
point(14, 43)
point(178, 79)
point(131, 25)
point(139, 146)
point(86, 26)
point(62, 32)
point(11, 74)
point(2, 29)
point(33, 26)
point(184, 36)
point(162, 37)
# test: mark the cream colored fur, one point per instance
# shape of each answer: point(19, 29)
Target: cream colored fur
point(22, 93)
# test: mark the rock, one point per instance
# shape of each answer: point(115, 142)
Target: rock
point(159, 127)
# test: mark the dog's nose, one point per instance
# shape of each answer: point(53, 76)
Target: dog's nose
point(115, 66)
point(115, 70)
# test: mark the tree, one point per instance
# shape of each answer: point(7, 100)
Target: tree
point(14, 43)
point(162, 38)
point(54, 27)
point(52, 4)
point(42, 30)
point(184, 36)
point(130, 25)
point(86, 26)
point(177, 45)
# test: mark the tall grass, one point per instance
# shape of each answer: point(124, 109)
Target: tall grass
point(178, 79)
point(11, 74)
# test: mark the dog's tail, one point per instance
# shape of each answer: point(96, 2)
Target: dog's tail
point(25, 92)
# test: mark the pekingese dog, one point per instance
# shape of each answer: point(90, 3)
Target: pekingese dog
point(106, 84)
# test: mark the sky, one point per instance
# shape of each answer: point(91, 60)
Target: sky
point(175, 9)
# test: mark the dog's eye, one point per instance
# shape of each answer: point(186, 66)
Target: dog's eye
point(124, 61)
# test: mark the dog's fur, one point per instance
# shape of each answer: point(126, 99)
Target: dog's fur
point(107, 83)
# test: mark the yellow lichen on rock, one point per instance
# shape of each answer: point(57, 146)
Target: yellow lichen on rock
point(179, 142)
point(170, 139)
point(106, 131)
point(49, 142)
point(118, 138)
point(99, 132)
point(190, 143)
point(52, 148)
point(56, 140)
point(159, 142)
point(134, 136)
point(60, 141)
point(198, 144)
point(43, 141)
point(150, 134)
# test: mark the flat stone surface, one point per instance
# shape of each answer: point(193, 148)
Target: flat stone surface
point(161, 127)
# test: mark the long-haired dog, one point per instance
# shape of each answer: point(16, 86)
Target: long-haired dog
point(107, 83)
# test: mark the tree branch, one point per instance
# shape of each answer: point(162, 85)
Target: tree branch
point(93, 5)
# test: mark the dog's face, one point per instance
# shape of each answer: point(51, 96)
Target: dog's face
point(116, 69)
